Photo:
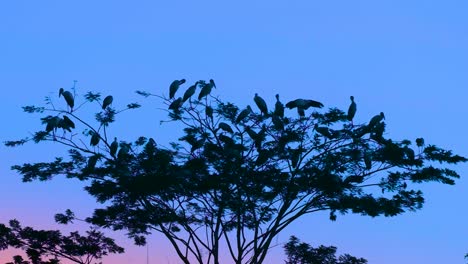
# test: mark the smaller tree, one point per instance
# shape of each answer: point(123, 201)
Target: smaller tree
point(53, 246)
point(303, 253)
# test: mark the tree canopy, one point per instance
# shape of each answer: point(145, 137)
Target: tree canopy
point(50, 246)
point(239, 175)
point(303, 253)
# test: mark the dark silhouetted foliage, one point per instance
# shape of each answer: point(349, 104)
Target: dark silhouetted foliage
point(51, 244)
point(235, 177)
point(303, 253)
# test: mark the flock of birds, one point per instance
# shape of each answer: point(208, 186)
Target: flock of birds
point(300, 104)
point(277, 115)
point(375, 127)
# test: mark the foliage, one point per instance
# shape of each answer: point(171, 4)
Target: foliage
point(303, 253)
point(51, 244)
point(237, 177)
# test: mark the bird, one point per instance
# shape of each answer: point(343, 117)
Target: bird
point(304, 104)
point(206, 89)
point(176, 104)
point(420, 142)
point(277, 122)
point(352, 109)
point(190, 91)
point(409, 153)
point(301, 112)
point(209, 111)
point(107, 101)
point(113, 147)
point(94, 139)
point(66, 124)
point(226, 140)
point(212, 83)
point(92, 161)
point(259, 137)
point(243, 114)
point(367, 160)
point(68, 96)
point(324, 131)
point(123, 151)
point(261, 104)
point(52, 123)
point(279, 107)
point(225, 127)
point(376, 119)
point(174, 87)
point(353, 179)
point(262, 157)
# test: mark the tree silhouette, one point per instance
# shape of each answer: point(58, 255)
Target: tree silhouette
point(40, 244)
point(237, 177)
point(303, 253)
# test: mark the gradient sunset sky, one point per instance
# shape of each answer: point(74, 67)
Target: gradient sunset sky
point(408, 59)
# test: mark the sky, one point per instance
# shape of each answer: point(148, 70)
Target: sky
point(408, 59)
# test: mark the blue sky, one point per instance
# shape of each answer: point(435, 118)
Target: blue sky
point(408, 59)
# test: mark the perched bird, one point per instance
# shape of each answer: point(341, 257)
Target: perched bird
point(226, 140)
point(66, 124)
point(324, 131)
point(304, 104)
point(301, 112)
point(261, 104)
point(94, 139)
point(409, 153)
point(243, 114)
point(190, 91)
point(107, 101)
point(279, 107)
point(209, 111)
point(123, 151)
point(252, 134)
point(352, 109)
point(52, 123)
point(174, 87)
point(368, 161)
point(376, 119)
point(113, 147)
point(212, 83)
point(378, 130)
point(420, 142)
point(225, 127)
point(354, 179)
point(176, 104)
point(262, 157)
point(68, 96)
point(277, 122)
point(206, 89)
point(92, 161)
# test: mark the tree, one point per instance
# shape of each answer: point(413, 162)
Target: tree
point(235, 179)
point(303, 253)
point(40, 244)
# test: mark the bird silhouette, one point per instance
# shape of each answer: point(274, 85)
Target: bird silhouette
point(190, 91)
point(279, 107)
point(352, 109)
point(174, 87)
point(304, 104)
point(206, 89)
point(243, 114)
point(261, 104)
point(107, 101)
point(68, 96)
point(375, 120)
